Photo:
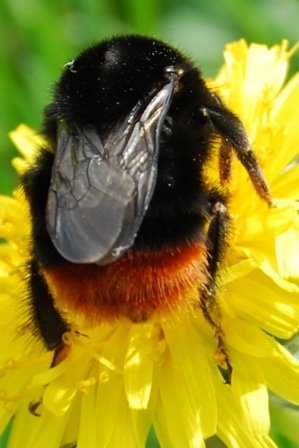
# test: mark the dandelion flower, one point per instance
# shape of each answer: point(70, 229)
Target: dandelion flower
point(121, 378)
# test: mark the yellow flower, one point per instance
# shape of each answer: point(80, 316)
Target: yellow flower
point(120, 379)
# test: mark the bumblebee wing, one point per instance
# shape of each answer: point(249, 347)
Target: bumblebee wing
point(99, 192)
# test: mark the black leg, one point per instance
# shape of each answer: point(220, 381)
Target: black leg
point(49, 323)
point(234, 136)
point(225, 163)
point(216, 240)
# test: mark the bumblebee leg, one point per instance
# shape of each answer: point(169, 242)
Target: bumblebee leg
point(234, 137)
point(225, 163)
point(48, 321)
point(208, 302)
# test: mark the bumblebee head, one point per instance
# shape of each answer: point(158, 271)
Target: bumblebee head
point(106, 81)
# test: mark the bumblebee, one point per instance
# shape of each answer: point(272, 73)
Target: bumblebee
point(123, 221)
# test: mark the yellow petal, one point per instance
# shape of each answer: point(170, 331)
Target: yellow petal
point(138, 367)
point(176, 418)
point(285, 115)
point(70, 434)
point(27, 141)
point(60, 392)
point(282, 374)
point(287, 249)
point(287, 185)
point(87, 430)
point(248, 383)
point(193, 370)
point(232, 424)
point(246, 338)
point(109, 396)
point(30, 431)
point(258, 299)
point(123, 431)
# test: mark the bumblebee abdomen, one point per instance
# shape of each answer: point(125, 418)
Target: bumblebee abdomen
point(136, 286)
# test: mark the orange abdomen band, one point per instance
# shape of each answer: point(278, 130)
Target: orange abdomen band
point(134, 286)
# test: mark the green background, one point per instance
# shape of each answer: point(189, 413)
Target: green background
point(38, 37)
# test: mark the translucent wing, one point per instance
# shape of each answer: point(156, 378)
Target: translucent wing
point(99, 192)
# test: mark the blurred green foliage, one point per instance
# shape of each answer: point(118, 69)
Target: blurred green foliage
point(38, 37)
